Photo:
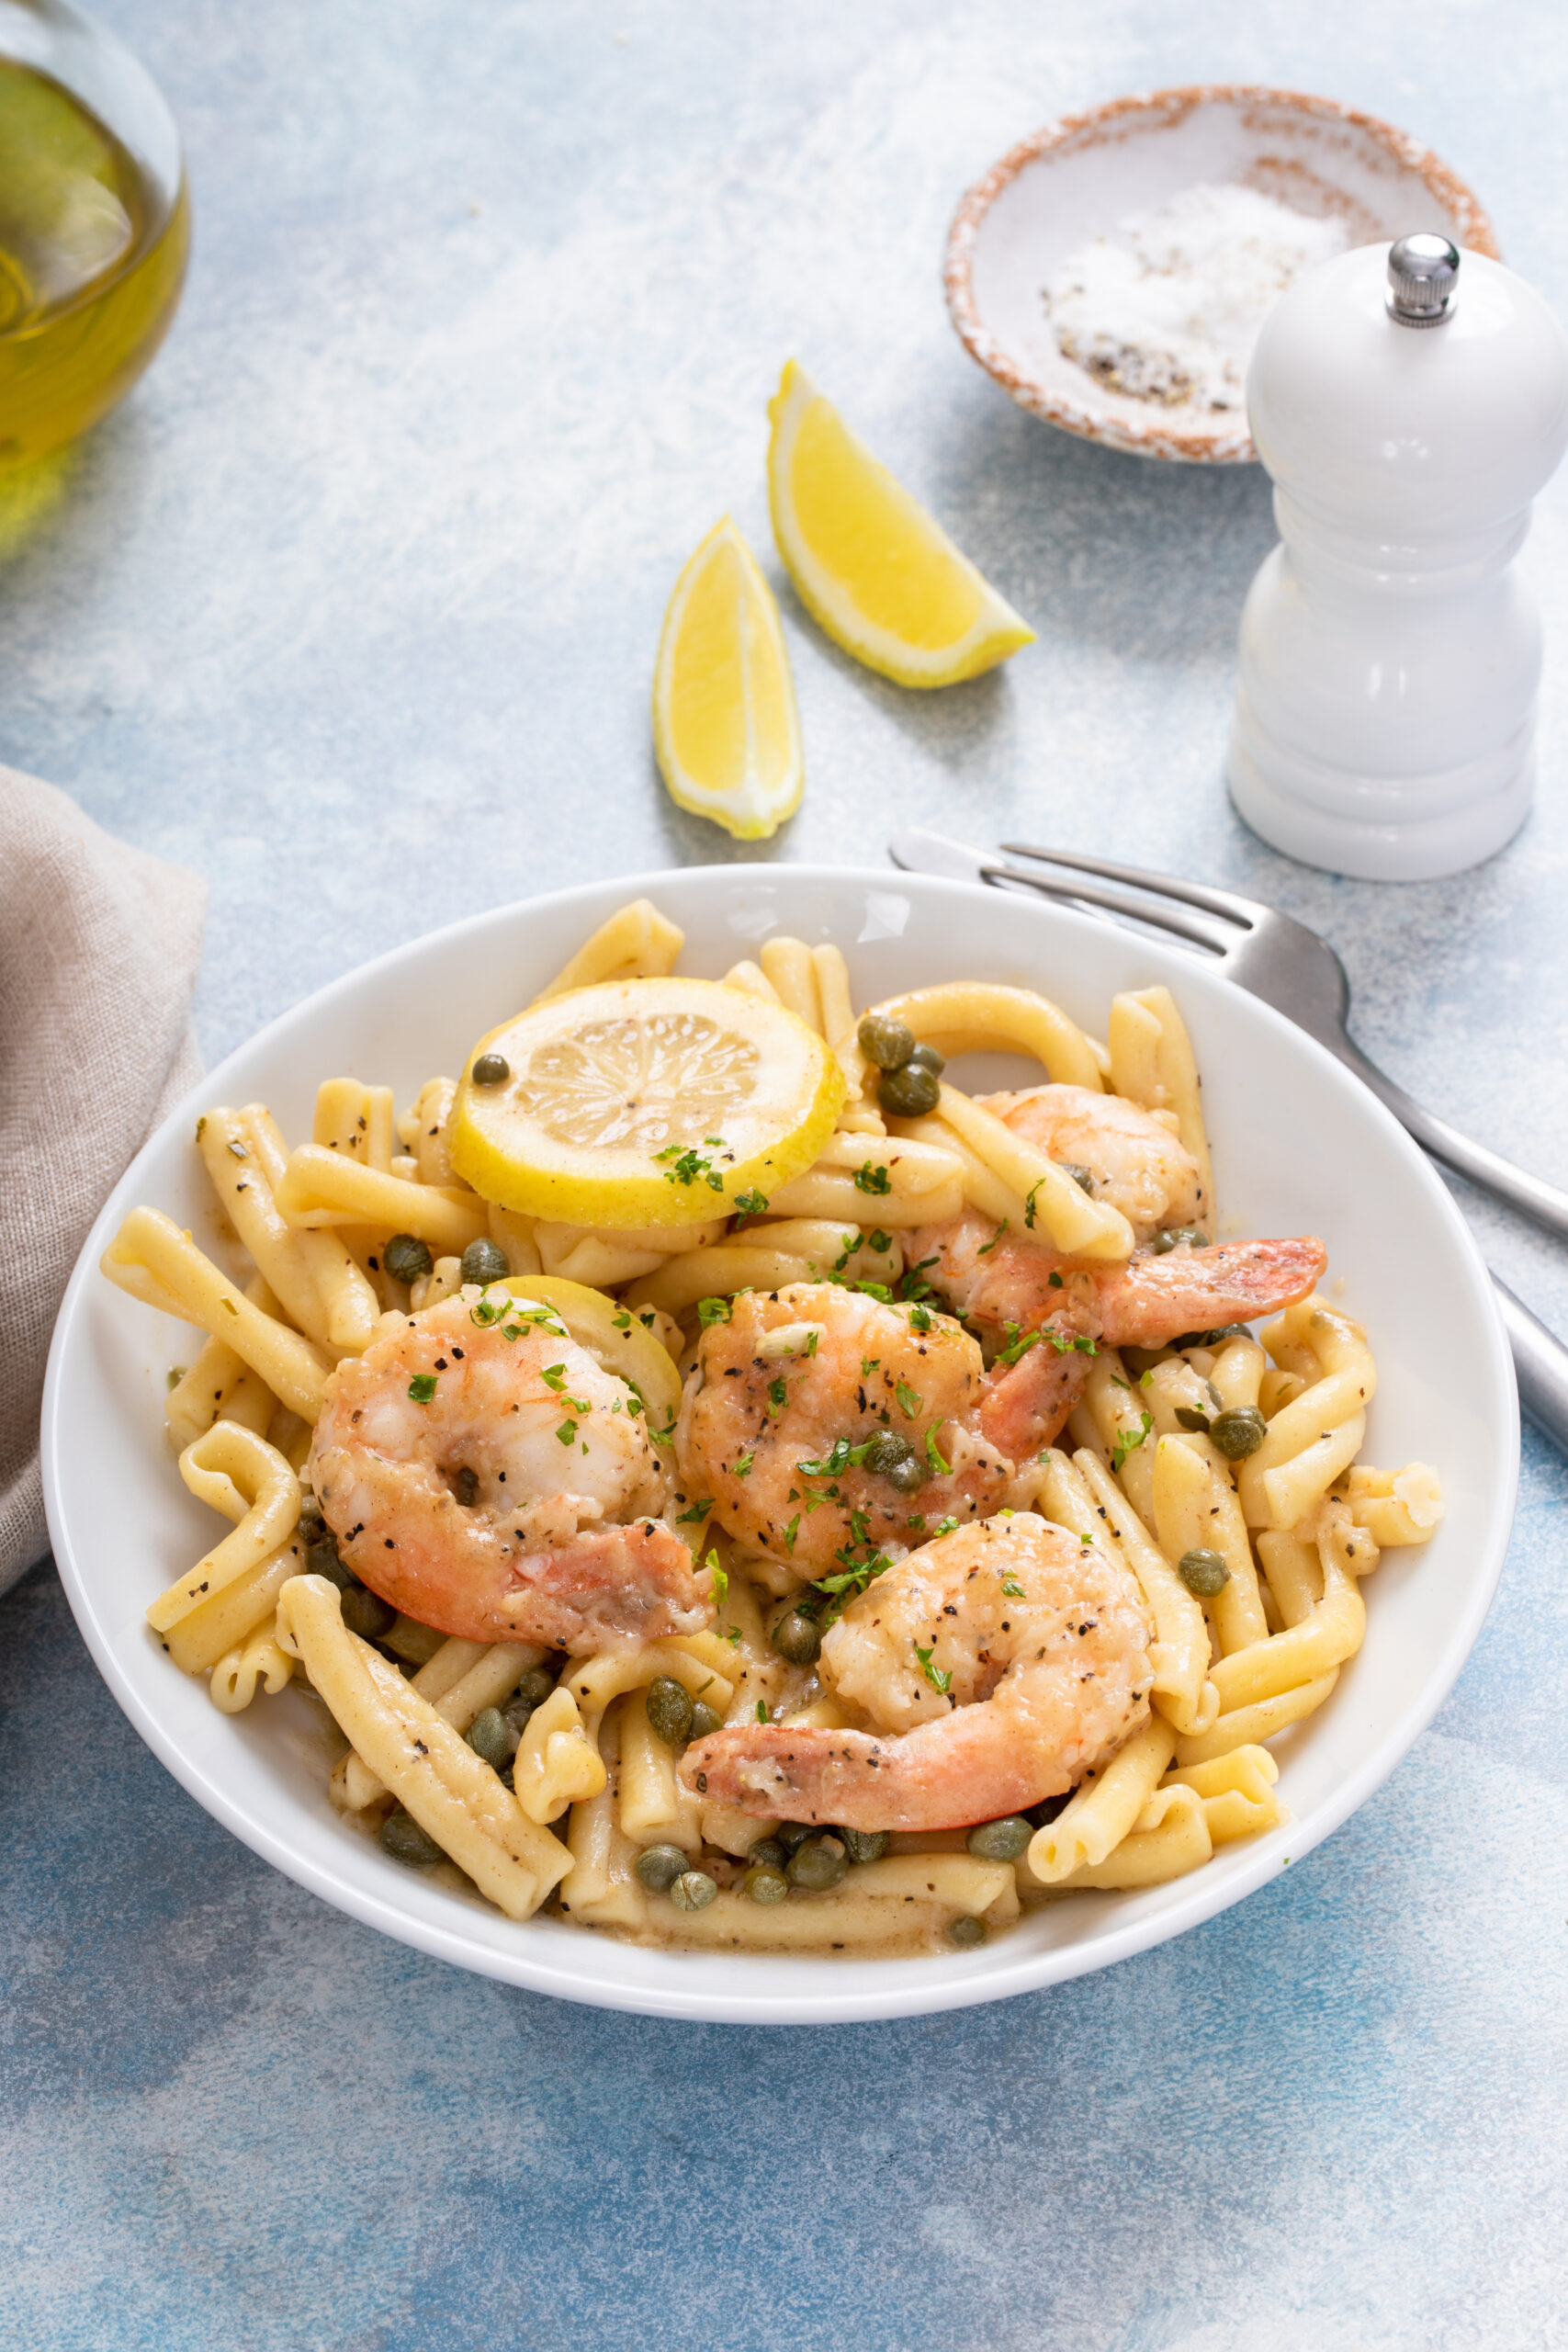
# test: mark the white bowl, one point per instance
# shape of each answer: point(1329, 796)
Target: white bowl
point(1080, 176)
point(1299, 1144)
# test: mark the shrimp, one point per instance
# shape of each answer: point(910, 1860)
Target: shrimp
point(490, 1478)
point(829, 1429)
point(1132, 1157)
point(997, 1667)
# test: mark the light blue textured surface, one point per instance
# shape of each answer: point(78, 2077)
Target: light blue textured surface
point(354, 609)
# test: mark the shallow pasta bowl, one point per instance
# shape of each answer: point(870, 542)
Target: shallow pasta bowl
point(1298, 1145)
point(1078, 176)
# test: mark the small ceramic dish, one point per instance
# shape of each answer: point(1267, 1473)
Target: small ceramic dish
point(1299, 1146)
point(1080, 176)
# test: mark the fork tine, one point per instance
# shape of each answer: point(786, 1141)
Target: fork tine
point(1116, 902)
point(1230, 903)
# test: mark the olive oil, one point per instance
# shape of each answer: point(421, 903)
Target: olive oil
point(92, 257)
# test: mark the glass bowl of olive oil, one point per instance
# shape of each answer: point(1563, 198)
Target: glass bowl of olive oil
point(95, 225)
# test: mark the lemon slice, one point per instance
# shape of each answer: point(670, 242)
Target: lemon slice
point(725, 725)
point(870, 564)
point(653, 1101)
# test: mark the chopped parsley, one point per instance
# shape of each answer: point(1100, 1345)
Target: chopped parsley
point(698, 1512)
point(913, 1286)
point(879, 1241)
point(761, 1710)
point(553, 1377)
point(943, 1527)
point(1066, 1341)
point(919, 1318)
point(422, 1387)
point(933, 1454)
point(714, 1310)
point(720, 1583)
point(743, 1466)
point(811, 1339)
point(621, 1320)
point(778, 1397)
point(868, 1365)
point(908, 1402)
point(567, 1431)
point(840, 1456)
point(1011, 1590)
point(1017, 1347)
point(1053, 1279)
point(1029, 1202)
point(690, 1164)
point(749, 1204)
point(935, 1675)
point(871, 1179)
point(789, 1534)
point(986, 1251)
point(1128, 1441)
point(856, 1576)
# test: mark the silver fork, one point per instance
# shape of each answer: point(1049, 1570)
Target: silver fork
point(1275, 958)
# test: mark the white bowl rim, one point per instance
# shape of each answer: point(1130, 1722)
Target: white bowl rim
point(913, 1992)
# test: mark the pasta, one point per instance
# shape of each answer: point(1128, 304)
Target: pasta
point(1213, 1479)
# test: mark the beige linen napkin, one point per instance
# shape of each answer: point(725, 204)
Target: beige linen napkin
point(99, 946)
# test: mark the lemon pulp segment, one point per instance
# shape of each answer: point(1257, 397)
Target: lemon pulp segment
point(726, 731)
point(870, 564)
point(651, 1101)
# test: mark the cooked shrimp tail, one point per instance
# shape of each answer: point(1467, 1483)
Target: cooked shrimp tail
point(1151, 1301)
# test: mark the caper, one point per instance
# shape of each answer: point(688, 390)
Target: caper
point(466, 1486)
point(406, 1257)
point(365, 1613)
point(927, 1057)
point(515, 1714)
point(489, 1736)
point(659, 1867)
point(692, 1890)
point(887, 1450)
point(865, 1845)
point(324, 1562)
point(1174, 1235)
point(818, 1861)
point(909, 1093)
point(407, 1842)
point(705, 1719)
point(791, 1834)
point(669, 1706)
point(966, 1932)
point(1082, 1177)
point(910, 1476)
point(796, 1638)
point(1046, 1812)
point(886, 1040)
point(490, 1069)
point(484, 1260)
point(1000, 1841)
point(1188, 1417)
point(536, 1685)
point(768, 1854)
point(765, 1884)
point(1239, 1431)
point(1202, 1572)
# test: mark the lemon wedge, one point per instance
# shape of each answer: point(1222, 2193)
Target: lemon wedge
point(725, 727)
point(870, 565)
point(650, 1101)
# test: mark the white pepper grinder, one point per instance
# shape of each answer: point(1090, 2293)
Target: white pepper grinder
point(1408, 405)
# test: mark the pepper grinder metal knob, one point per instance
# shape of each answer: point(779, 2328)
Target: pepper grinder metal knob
point(1423, 273)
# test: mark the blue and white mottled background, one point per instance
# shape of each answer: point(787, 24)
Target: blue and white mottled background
point(354, 608)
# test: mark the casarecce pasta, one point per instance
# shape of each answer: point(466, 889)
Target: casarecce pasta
point(753, 1558)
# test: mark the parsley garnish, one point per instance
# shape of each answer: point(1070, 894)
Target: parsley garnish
point(1029, 1202)
point(868, 1365)
point(1129, 1441)
point(422, 1387)
point(943, 1527)
point(720, 1584)
point(789, 1534)
point(841, 1457)
point(934, 1675)
point(697, 1513)
point(1055, 1278)
point(912, 1286)
point(879, 1241)
point(812, 1338)
point(743, 1466)
point(933, 1455)
point(553, 1377)
point(908, 1402)
point(1012, 1591)
point(567, 1431)
point(714, 1310)
point(1064, 1343)
point(856, 1576)
point(761, 1710)
point(691, 1163)
point(1017, 1347)
point(919, 1318)
point(991, 1244)
point(621, 1320)
point(749, 1204)
point(872, 1179)
point(778, 1396)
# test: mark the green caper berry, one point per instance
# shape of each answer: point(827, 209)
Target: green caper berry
point(909, 1093)
point(659, 1867)
point(768, 1854)
point(692, 1890)
point(491, 1069)
point(966, 1932)
point(515, 1712)
point(927, 1057)
point(910, 1476)
point(1000, 1841)
point(1202, 1572)
point(705, 1719)
point(406, 1842)
point(406, 1257)
point(764, 1884)
point(819, 1862)
point(1082, 1177)
point(536, 1685)
point(466, 1486)
point(796, 1638)
point(1174, 1235)
point(365, 1613)
point(489, 1736)
point(865, 1845)
point(1239, 1431)
point(887, 1449)
point(669, 1706)
point(324, 1562)
point(484, 1262)
point(886, 1040)
point(1190, 1418)
point(791, 1834)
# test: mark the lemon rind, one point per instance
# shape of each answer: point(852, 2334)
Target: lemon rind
point(996, 633)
